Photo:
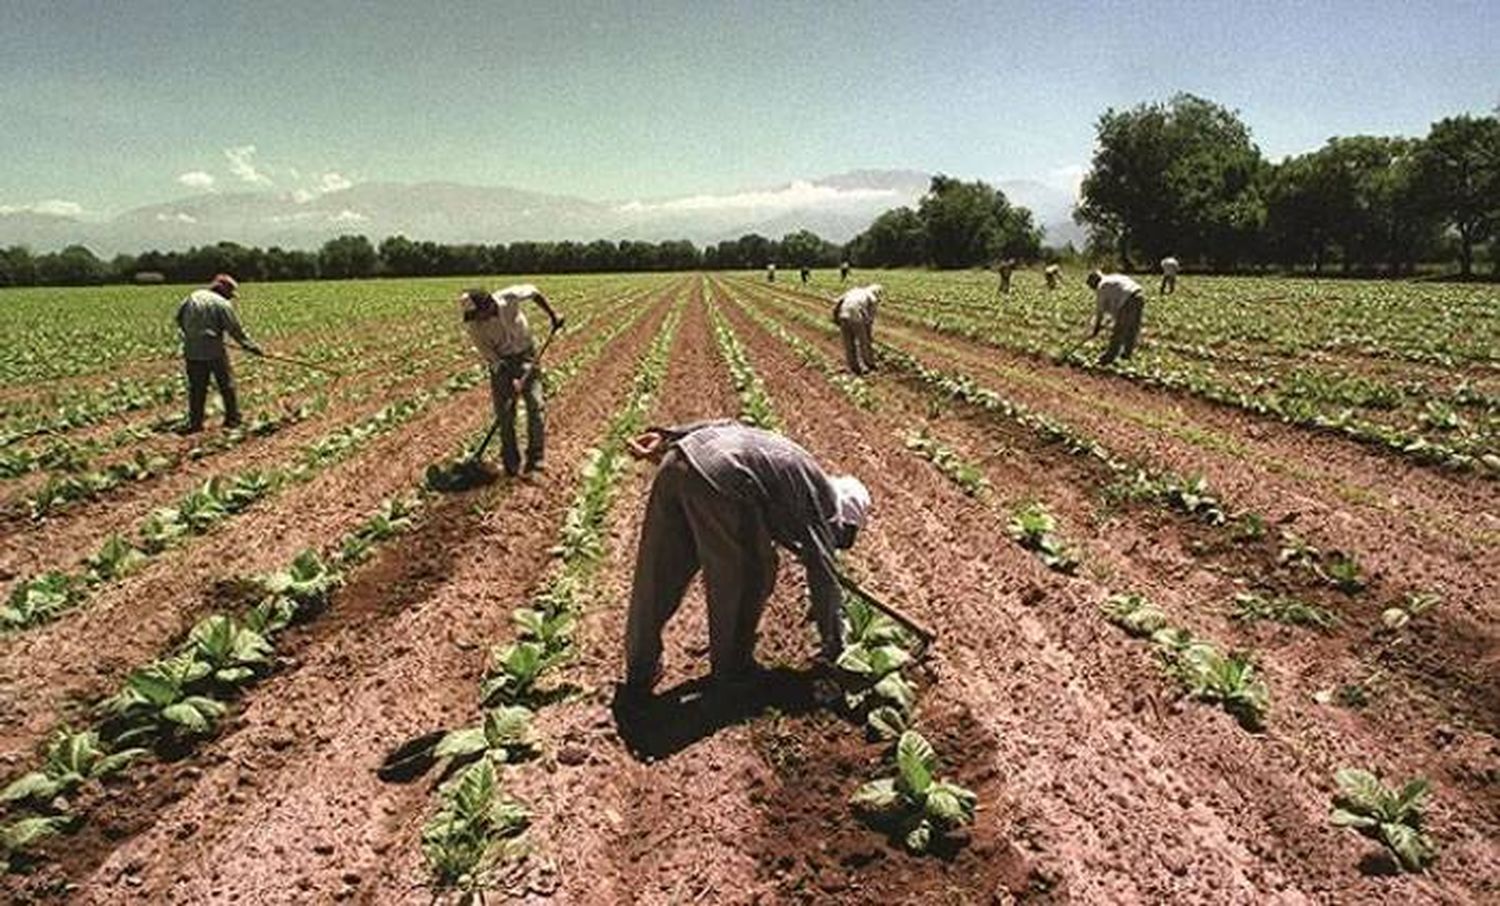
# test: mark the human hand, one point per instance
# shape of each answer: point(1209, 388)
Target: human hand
point(648, 446)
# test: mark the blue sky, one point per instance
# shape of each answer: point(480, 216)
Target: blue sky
point(106, 105)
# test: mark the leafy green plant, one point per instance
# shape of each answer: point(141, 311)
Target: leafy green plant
point(505, 735)
point(158, 700)
point(461, 840)
point(115, 559)
point(1231, 681)
point(1394, 817)
point(514, 672)
point(1343, 572)
point(308, 581)
point(72, 759)
point(232, 651)
point(1034, 529)
point(162, 529)
point(958, 470)
point(19, 836)
point(1414, 605)
point(1135, 614)
point(1251, 606)
point(38, 600)
point(914, 804)
point(552, 629)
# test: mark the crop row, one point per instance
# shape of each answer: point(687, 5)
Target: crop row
point(43, 598)
point(913, 804)
point(474, 818)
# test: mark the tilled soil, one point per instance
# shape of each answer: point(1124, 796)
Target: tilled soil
point(1097, 782)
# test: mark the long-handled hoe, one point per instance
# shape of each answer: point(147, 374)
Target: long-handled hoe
point(924, 635)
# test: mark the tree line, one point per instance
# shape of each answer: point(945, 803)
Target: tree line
point(397, 256)
point(1185, 178)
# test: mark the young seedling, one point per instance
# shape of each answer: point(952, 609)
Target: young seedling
point(1415, 604)
point(1134, 614)
point(232, 651)
point(38, 600)
point(1230, 681)
point(1033, 528)
point(462, 840)
point(308, 582)
point(958, 470)
point(1342, 571)
point(505, 735)
point(72, 759)
point(1250, 607)
point(914, 805)
point(158, 701)
point(17, 837)
point(1390, 816)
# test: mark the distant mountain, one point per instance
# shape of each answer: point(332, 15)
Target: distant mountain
point(835, 207)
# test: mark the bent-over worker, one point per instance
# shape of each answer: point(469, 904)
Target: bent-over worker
point(1053, 275)
point(497, 327)
point(854, 313)
point(1169, 268)
point(843, 271)
point(1006, 267)
point(723, 494)
point(203, 318)
point(1119, 297)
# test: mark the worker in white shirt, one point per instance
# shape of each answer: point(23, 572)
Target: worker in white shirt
point(770, 273)
point(854, 313)
point(1169, 268)
point(1053, 274)
point(503, 339)
point(1121, 299)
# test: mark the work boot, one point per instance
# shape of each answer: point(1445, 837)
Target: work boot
point(534, 465)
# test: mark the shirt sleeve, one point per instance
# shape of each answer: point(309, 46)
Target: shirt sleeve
point(181, 310)
point(816, 556)
point(231, 325)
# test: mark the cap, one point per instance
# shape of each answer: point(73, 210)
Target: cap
point(226, 282)
point(852, 500)
point(476, 304)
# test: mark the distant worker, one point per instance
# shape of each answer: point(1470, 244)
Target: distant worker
point(1005, 267)
point(203, 318)
point(724, 493)
point(770, 273)
point(854, 313)
point(1119, 297)
point(1053, 275)
point(498, 329)
point(844, 272)
point(1169, 268)
point(806, 276)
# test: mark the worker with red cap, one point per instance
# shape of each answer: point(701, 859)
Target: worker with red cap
point(204, 317)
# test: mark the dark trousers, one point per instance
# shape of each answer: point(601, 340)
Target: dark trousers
point(198, 373)
point(690, 526)
point(1127, 330)
point(503, 395)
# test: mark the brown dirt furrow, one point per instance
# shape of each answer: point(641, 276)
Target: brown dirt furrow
point(287, 807)
point(51, 672)
point(1193, 571)
point(1127, 797)
point(1345, 495)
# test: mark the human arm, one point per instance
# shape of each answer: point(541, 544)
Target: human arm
point(230, 323)
point(541, 300)
point(652, 444)
point(824, 599)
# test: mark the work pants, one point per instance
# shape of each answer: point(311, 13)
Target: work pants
point(691, 526)
point(859, 345)
point(503, 396)
point(198, 373)
point(1127, 329)
point(1168, 284)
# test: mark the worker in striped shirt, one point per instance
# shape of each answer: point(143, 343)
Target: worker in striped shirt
point(724, 497)
point(1120, 298)
point(502, 338)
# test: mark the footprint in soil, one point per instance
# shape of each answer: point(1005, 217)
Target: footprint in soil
point(657, 727)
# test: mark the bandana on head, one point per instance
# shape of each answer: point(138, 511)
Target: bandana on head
point(852, 500)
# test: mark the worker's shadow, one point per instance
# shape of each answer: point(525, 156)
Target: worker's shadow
point(664, 724)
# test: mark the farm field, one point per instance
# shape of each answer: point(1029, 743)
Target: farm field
point(1177, 601)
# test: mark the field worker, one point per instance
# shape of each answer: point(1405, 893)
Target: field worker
point(1005, 268)
point(806, 275)
point(854, 313)
point(204, 317)
point(770, 273)
point(723, 494)
point(1053, 275)
point(1169, 268)
point(1121, 299)
point(844, 272)
point(503, 339)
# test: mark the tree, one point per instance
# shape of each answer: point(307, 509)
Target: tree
point(75, 265)
point(1457, 178)
point(1178, 178)
point(803, 248)
point(17, 267)
point(897, 238)
point(347, 256)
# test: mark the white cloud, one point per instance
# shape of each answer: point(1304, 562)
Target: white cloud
point(795, 195)
point(197, 179)
point(56, 207)
point(346, 217)
point(242, 164)
point(334, 182)
point(1068, 178)
point(303, 196)
point(176, 217)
